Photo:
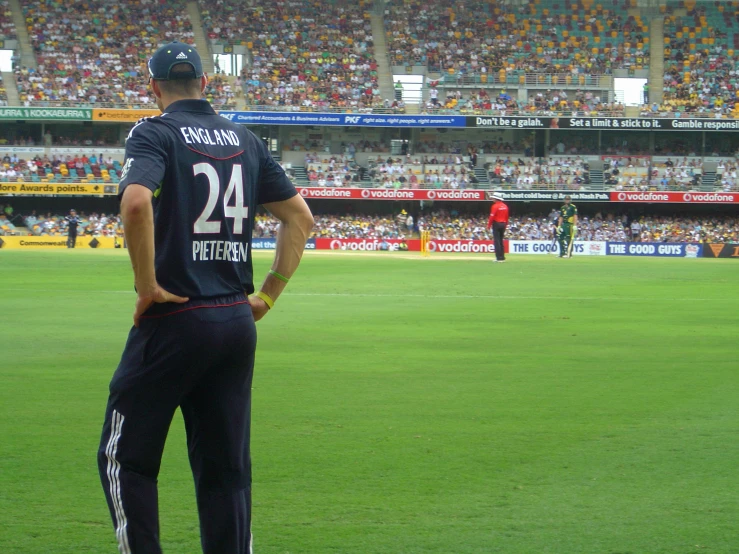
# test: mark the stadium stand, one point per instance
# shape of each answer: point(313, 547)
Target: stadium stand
point(93, 53)
point(541, 102)
point(60, 169)
point(93, 224)
point(560, 172)
point(497, 43)
point(3, 94)
point(442, 224)
point(304, 55)
point(701, 62)
point(7, 27)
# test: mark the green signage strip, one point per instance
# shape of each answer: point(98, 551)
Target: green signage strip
point(46, 114)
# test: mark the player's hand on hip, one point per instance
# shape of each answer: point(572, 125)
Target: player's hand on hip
point(157, 296)
point(259, 307)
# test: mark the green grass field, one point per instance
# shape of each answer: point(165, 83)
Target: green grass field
point(407, 406)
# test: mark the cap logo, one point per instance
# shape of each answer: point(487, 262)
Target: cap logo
point(181, 56)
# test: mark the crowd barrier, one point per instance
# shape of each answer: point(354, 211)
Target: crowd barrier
point(536, 247)
point(660, 249)
point(30, 243)
point(270, 244)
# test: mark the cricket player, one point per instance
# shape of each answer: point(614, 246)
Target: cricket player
point(72, 223)
point(191, 185)
point(567, 227)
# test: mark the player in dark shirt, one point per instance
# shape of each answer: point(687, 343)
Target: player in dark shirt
point(72, 223)
point(189, 189)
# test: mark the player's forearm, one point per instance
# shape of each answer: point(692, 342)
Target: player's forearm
point(138, 225)
point(291, 239)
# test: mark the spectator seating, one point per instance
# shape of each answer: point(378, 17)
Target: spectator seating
point(6, 226)
point(93, 224)
point(502, 44)
point(541, 102)
point(329, 171)
point(94, 52)
point(555, 172)
point(3, 94)
point(60, 169)
point(306, 55)
point(701, 59)
point(7, 27)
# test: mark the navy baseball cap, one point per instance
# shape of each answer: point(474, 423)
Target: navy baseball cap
point(175, 53)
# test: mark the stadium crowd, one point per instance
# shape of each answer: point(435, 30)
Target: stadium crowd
point(442, 224)
point(701, 63)
point(445, 224)
point(564, 173)
point(7, 27)
point(501, 42)
point(54, 225)
point(94, 52)
point(3, 93)
point(58, 167)
point(543, 103)
point(304, 55)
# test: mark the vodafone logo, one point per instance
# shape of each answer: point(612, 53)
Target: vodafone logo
point(431, 195)
point(468, 246)
point(325, 193)
point(365, 193)
point(643, 197)
point(457, 195)
point(363, 245)
point(709, 197)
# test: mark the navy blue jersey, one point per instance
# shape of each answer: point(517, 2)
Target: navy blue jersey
point(72, 222)
point(208, 176)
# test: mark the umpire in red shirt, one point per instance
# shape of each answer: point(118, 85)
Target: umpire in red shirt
point(499, 221)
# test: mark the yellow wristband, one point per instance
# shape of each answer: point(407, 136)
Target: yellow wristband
point(267, 300)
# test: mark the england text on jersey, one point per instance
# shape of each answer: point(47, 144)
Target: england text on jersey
point(220, 137)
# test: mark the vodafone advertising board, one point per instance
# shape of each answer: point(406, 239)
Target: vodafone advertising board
point(368, 245)
point(391, 194)
point(466, 246)
point(411, 245)
point(542, 196)
point(676, 197)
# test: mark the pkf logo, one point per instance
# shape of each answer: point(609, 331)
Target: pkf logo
point(229, 116)
point(352, 119)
